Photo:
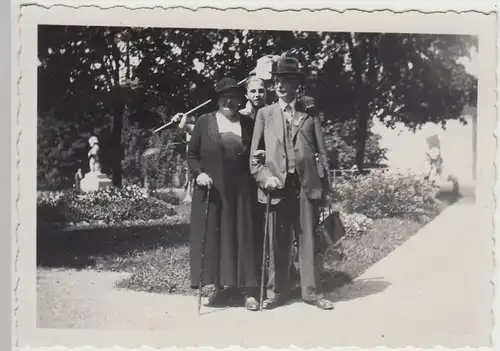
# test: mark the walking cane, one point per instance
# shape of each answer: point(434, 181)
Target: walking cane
point(264, 246)
point(262, 70)
point(203, 249)
point(191, 111)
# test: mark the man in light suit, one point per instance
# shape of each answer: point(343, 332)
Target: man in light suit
point(295, 174)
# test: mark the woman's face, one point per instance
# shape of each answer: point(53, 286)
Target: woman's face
point(229, 102)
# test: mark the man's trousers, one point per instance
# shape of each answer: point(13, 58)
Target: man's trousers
point(299, 215)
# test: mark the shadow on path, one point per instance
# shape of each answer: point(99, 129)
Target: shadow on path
point(339, 286)
point(79, 248)
point(358, 289)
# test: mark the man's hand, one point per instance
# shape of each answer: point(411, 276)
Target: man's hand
point(272, 183)
point(204, 180)
point(259, 157)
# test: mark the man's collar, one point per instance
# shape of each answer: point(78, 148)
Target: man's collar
point(283, 104)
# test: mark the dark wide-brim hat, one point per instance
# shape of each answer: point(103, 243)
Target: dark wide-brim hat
point(228, 84)
point(288, 66)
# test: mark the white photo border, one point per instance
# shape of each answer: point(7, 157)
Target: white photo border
point(24, 121)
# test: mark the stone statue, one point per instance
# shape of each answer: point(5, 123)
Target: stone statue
point(94, 163)
point(435, 164)
point(94, 179)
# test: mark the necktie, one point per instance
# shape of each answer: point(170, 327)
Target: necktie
point(287, 112)
point(288, 116)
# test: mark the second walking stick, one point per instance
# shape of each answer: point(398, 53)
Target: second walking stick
point(264, 249)
point(203, 239)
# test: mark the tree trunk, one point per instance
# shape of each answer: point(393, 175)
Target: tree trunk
point(361, 135)
point(118, 109)
point(116, 145)
point(362, 107)
point(364, 90)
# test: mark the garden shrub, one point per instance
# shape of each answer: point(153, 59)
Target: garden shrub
point(355, 224)
point(109, 205)
point(167, 167)
point(381, 194)
point(169, 196)
point(341, 145)
point(52, 206)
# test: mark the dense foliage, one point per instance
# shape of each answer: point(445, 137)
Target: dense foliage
point(355, 224)
point(340, 140)
point(106, 206)
point(361, 199)
point(120, 83)
point(383, 194)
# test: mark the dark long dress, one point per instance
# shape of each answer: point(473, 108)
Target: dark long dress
point(230, 252)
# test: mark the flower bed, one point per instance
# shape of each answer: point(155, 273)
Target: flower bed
point(109, 206)
point(383, 194)
point(355, 224)
point(379, 211)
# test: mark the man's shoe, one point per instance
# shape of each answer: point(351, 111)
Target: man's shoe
point(322, 304)
point(270, 304)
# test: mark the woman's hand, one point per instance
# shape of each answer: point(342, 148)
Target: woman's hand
point(203, 180)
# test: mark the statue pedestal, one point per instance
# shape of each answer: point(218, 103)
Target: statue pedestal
point(94, 181)
point(445, 186)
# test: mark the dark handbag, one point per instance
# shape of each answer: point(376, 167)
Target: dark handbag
point(330, 229)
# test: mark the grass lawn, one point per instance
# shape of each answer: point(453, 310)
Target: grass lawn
point(157, 256)
point(166, 270)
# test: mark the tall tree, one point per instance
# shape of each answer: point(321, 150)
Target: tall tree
point(408, 78)
point(85, 75)
point(99, 80)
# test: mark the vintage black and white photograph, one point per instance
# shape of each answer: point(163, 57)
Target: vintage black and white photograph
point(267, 186)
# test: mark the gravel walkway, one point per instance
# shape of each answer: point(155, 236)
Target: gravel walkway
point(433, 290)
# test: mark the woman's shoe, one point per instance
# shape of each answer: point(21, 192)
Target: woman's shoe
point(251, 304)
point(270, 304)
point(216, 298)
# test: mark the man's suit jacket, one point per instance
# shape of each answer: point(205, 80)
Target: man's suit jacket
point(311, 161)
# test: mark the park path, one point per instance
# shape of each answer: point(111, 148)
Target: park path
point(433, 290)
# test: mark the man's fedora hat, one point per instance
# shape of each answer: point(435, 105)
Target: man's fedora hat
point(288, 66)
point(228, 84)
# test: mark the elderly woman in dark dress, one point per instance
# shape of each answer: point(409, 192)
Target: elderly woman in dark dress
point(218, 156)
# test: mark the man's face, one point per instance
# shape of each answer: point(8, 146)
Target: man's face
point(230, 101)
point(256, 93)
point(286, 87)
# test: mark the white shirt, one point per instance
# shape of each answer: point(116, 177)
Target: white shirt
point(227, 126)
point(291, 164)
point(291, 104)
